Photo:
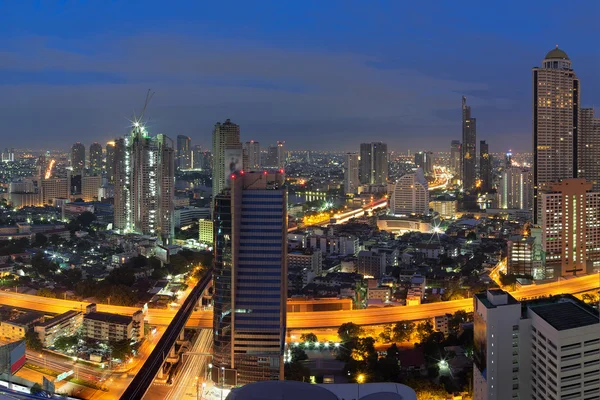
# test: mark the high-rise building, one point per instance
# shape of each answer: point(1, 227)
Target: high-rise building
point(252, 149)
point(520, 258)
point(250, 276)
point(90, 186)
point(485, 167)
point(515, 189)
point(588, 143)
point(410, 194)
point(424, 160)
point(373, 166)
point(184, 152)
point(571, 228)
point(95, 159)
point(508, 160)
point(469, 146)
point(351, 181)
point(198, 159)
point(281, 154)
point(78, 158)
point(555, 124)
point(541, 349)
point(144, 184)
point(455, 157)
point(227, 154)
point(110, 161)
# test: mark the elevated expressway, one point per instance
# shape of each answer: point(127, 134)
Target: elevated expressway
point(324, 319)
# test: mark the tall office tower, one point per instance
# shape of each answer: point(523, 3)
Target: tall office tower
point(95, 159)
point(78, 158)
point(485, 167)
point(469, 146)
point(252, 149)
point(144, 184)
point(351, 181)
point(515, 189)
point(270, 159)
point(197, 157)
point(184, 152)
point(373, 166)
point(588, 143)
point(424, 160)
point(110, 161)
point(410, 195)
point(508, 160)
point(227, 148)
point(250, 276)
point(281, 154)
point(542, 349)
point(455, 156)
point(555, 124)
point(571, 228)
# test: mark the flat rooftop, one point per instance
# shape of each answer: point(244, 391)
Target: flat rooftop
point(565, 315)
point(109, 318)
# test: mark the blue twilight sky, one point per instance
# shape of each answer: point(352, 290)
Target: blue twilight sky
point(317, 74)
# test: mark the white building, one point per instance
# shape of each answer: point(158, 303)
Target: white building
point(186, 215)
point(351, 182)
point(252, 154)
point(544, 349)
point(312, 260)
point(515, 189)
point(410, 195)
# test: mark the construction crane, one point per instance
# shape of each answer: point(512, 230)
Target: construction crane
point(149, 95)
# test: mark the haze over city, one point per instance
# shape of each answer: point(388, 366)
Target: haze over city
point(320, 75)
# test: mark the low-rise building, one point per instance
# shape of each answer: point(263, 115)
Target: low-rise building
point(402, 225)
point(440, 323)
point(445, 207)
point(18, 324)
point(206, 233)
point(379, 293)
point(371, 264)
point(340, 245)
point(65, 324)
point(112, 327)
point(184, 216)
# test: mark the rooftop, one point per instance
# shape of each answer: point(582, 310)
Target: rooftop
point(107, 317)
point(59, 318)
point(565, 314)
point(557, 53)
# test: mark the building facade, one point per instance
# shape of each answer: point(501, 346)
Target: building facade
point(485, 167)
point(469, 146)
point(588, 144)
point(351, 181)
point(78, 158)
point(252, 152)
point(250, 276)
point(226, 142)
point(110, 162)
point(515, 189)
point(555, 124)
point(455, 157)
point(373, 165)
point(184, 152)
point(424, 160)
point(95, 159)
point(410, 195)
point(144, 184)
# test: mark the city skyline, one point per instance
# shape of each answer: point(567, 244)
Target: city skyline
point(358, 88)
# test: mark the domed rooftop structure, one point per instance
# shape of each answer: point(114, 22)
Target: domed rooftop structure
point(556, 54)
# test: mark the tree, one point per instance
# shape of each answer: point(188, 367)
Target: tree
point(86, 218)
point(403, 330)
point(32, 341)
point(472, 236)
point(45, 292)
point(309, 337)
point(424, 329)
point(36, 389)
point(120, 349)
point(349, 331)
point(387, 334)
point(40, 240)
point(459, 317)
point(296, 371)
point(65, 343)
point(589, 298)
point(298, 354)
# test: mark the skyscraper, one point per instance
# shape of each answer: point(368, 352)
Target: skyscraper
point(95, 159)
point(144, 184)
point(184, 152)
point(571, 228)
point(252, 149)
point(515, 189)
point(250, 276)
point(455, 156)
point(555, 124)
point(351, 181)
point(227, 148)
point(410, 195)
point(589, 147)
point(281, 154)
point(78, 158)
point(424, 160)
point(197, 157)
point(373, 166)
point(469, 144)
point(272, 157)
point(110, 161)
point(485, 167)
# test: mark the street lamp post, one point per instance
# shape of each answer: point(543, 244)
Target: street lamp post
point(223, 384)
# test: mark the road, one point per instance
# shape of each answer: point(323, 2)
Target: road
point(324, 319)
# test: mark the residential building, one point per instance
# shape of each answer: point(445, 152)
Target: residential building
point(371, 264)
point(440, 323)
point(184, 152)
point(339, 245)
point(556, 99)
point(144, 184)
point(78, 158)
point(110, 161)
point(206, 231)
point(311, 259)
point(252, 150)
point(351, 181)
point(424, 160)
point(541, 349)
point(199, 158)
point(65, 324)
point(515, 189)
point(445, 207)
point(521, 255)
point(410, 195)
point(90, 186)
point(250, 276)
point(588, 144)
point(106, 327)
point(373, 165)
point(455, 157)
point(16, 326)
point(469, 146)
point(95, 159)
point(571, 228)
point(226, 147)
point(379, 293)
point(54, 188)
point(485, 167)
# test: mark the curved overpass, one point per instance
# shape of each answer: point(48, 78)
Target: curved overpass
point(323, 319)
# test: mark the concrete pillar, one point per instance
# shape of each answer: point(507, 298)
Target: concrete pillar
point(182, 335)
point(160, 374)
point(172, 352)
